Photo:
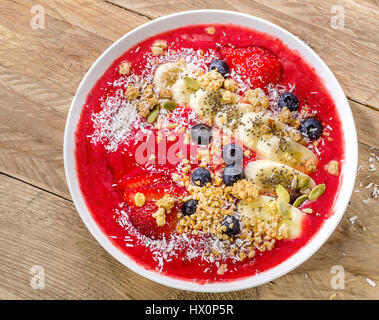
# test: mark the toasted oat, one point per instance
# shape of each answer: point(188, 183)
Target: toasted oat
point(310, 165)
point(211, 80)
point(124, 68)
point(257, 98)
point(333, 167)
point(158, 47)
point(165, 94)
point(132, 93)
point(231, 85)
point(285, 115)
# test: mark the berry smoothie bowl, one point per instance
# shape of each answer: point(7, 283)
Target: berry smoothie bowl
point(208, 151)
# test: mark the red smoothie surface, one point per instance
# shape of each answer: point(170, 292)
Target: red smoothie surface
point(99, 168)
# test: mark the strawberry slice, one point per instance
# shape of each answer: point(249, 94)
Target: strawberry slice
point(152, 193)
point(258, 65)
point(142, 217)
point(145, 223)
point(143, 180)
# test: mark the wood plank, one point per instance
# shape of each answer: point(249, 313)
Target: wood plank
point(351, 53)
point(68, 41)
point(50, 233)
point(32, 125)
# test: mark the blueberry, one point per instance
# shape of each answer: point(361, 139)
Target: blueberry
point(232, 173)
point(221, 66)
point(288, 100)
point(311, 128)
point(189, 207)
point(201, 134)
point(232, 153)
point(227, 221)
point(201, 177)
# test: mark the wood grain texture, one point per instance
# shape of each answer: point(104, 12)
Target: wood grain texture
point(353, 55)
point(38, 228)
point(39, 73)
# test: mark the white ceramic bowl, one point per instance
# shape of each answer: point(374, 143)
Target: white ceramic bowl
point(204, 17)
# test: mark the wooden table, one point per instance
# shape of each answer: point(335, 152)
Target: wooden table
point(40, 70)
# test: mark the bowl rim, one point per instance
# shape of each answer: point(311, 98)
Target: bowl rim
point(304, 253)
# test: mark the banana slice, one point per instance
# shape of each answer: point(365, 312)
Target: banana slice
point(181, 93)
point(267, 174)
point(286, 151)
point(205, 102)
point(264, 210)
point(251, 129)
point(166, 74)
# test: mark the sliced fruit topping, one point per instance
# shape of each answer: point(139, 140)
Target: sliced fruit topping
point(189, 207)
point(152, 193)
point(143, 220)
point(287, 151)
point(201, 134)
point(274, 214)
point(258, 64)
point(220, 66)
point(316, 192)
point(180, 92)
point(311, 128)
point(268, 174)
point(143, 180)
point(232, 173)
point(191, 84)
point(205, 102)
point(288, 100)
point(282, 193)
point(232, 225)
point(201, 176)
point(232, 154)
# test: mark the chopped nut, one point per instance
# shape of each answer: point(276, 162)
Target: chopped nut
point(124, 68)
point(131, 93)
point(167, 203)
point(333, 167)
point(139, 199)
point(160, 217)
point(245, 190)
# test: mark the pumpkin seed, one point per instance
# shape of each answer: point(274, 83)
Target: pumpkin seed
point(153, 115)
point(282, 192)
point(300, 200)
point(317, 191)
point(303, 182)
point(191, 84)
point(282, 206)
point(170, 105)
